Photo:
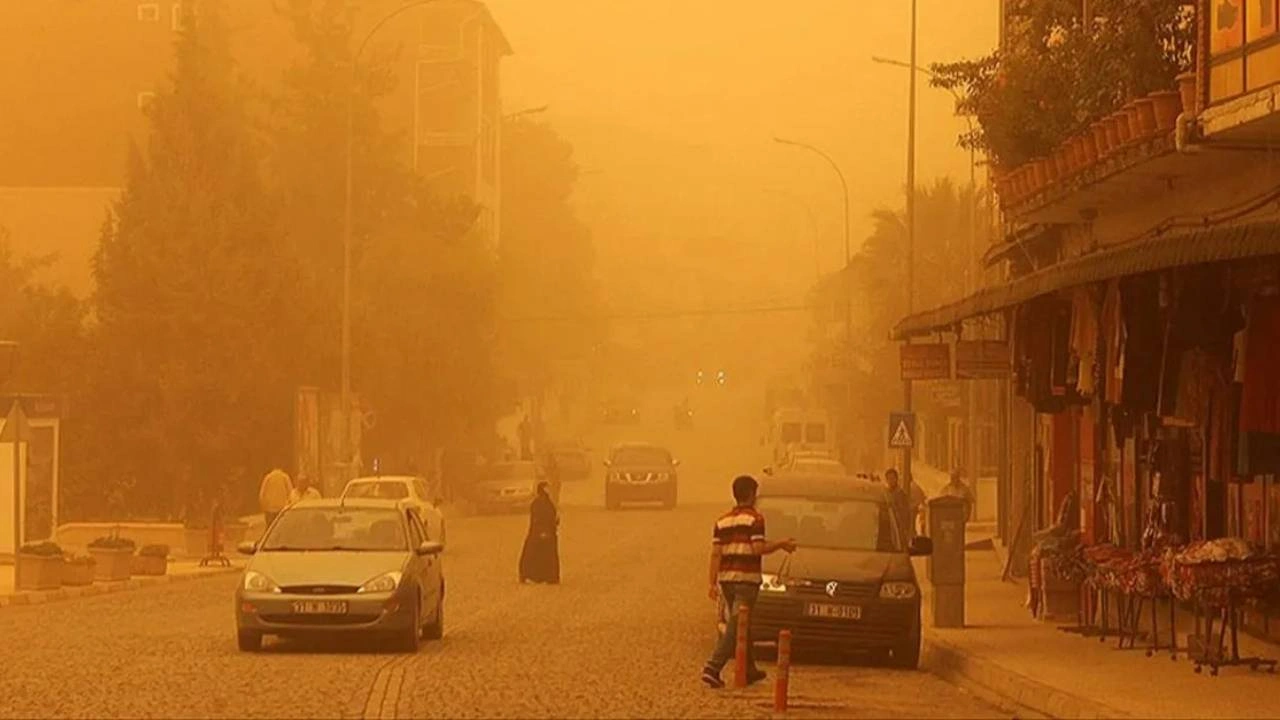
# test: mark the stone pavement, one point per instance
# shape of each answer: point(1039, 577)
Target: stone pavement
point(178, 571)
point(1006, 656)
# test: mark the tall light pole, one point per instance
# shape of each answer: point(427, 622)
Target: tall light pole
point(349, 455)
point(970, 272)
point(844, 267)
point(911, 229)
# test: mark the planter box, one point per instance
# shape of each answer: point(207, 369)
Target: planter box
point(77, 574)
point(1060, 598)
point(111, 564)
point(150, 565)
point(38, 572)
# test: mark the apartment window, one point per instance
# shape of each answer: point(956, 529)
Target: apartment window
point(144, 99)
point(148, 12)
point(178, 18)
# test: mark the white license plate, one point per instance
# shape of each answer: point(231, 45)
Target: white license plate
point(839, 612)
point(319, 607)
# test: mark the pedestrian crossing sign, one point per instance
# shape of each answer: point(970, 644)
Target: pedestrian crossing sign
point(902, 430)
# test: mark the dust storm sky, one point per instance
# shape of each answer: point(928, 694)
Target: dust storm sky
point(672, 104)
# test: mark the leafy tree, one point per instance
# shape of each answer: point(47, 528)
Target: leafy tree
point(47, 322)
point(1058, 72)
point(546, 262)
point(188, 382)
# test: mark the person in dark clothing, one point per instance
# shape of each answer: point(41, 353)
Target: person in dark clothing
point(540, 559)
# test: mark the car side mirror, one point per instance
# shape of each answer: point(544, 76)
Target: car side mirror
point(920, 546)
point(606, 463)
point(430, 548)
point(768, 471)
point(675, 463)
point(247, 548)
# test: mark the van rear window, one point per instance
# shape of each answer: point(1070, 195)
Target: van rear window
point(815, 433)
point(791, 433)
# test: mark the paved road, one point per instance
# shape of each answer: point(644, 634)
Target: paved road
point(623, 636)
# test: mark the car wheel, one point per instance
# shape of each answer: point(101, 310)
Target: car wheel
point(434, 630)
point(906, 655)
point(249, 640)
point(409, 637)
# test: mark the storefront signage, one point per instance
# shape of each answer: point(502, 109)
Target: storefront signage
point(926, 362)
point(982, 359)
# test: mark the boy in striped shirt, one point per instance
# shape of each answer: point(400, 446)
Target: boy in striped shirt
point(737, 546)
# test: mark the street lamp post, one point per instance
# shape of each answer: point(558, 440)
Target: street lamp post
point(844, 268)
point(348, 452)
point(911, 230)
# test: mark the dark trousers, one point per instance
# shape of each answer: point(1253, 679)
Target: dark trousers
point(735, 594)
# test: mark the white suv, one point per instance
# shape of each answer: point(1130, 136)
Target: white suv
point(411, 489)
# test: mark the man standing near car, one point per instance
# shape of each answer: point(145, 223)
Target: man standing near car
point(907, 507)
point(737, 546)
point(274, 494)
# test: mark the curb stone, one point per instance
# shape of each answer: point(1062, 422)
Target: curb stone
point(39, 597)
point(1005, 687)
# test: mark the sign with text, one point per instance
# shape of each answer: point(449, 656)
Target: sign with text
point(982, 359)
point(926, 362)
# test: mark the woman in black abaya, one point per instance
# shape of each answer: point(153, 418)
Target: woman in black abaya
point(540, 560)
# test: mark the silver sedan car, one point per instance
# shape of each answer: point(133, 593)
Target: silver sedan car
point(342, 566)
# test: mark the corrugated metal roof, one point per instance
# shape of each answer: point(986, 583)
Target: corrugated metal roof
point(1158, 253)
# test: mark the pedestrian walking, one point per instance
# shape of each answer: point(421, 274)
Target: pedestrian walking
point(907, 504)
point(551, 471)
point(540, 558)
point(738, 543)
point(303, 490)
point(274, 494)
point(956, 488)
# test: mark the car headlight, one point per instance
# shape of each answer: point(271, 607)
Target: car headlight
point(898, 590)
point(772, 583)
point(662, 477)
point(385, 582)
point(257, 582)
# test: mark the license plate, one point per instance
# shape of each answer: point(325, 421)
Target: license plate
point(319, 607)
point(839, 612)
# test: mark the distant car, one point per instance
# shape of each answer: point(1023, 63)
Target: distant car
point(620, 413)
point(572, 460)
point(409, 488)
point(850, 585)
point(507, 487)
point(640, 472)
point(342, 566)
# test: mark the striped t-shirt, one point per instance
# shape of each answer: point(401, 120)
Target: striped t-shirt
point(735, 533)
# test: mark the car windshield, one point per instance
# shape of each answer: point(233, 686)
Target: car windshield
point(337, 528)
point(378, 490)
point(641, 456)
point(512, 471)
point(833, 524)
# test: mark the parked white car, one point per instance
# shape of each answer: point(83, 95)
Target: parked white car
point(411, 489)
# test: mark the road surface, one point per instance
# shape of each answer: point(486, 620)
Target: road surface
point(623, 636)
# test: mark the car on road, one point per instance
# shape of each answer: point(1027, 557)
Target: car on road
point(571, 458)
point(619, 412)
point(409, 488)
point(849, 586)
point(640, 472)
point(342, 566)
point(508, 486)
point(814, 466)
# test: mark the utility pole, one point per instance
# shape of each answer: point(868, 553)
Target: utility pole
point(911, 231)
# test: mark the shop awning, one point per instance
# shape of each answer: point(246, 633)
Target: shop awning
point(1162, 252)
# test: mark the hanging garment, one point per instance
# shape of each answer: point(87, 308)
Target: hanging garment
point(1084, 339)
point(1113, 329)
point(1260, 400)
point(1144, 342)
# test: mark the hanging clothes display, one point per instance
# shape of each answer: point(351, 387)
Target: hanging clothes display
point(1047, 330)
point(1260, 401)
point(1113, 328)
point(1084, 340)
point(1143, 343)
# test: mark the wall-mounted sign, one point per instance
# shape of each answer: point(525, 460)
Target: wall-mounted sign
point(926, 362)
point(982, 359)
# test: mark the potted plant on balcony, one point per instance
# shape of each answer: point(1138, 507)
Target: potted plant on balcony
point(77, 569)
point(1167, 104)
point(151, 560)
point(1187, 91)
point(113, 557)
point(39, 566)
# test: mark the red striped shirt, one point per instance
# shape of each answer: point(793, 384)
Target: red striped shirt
point(736, 533)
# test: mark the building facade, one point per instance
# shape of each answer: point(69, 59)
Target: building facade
point(1139, 303)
